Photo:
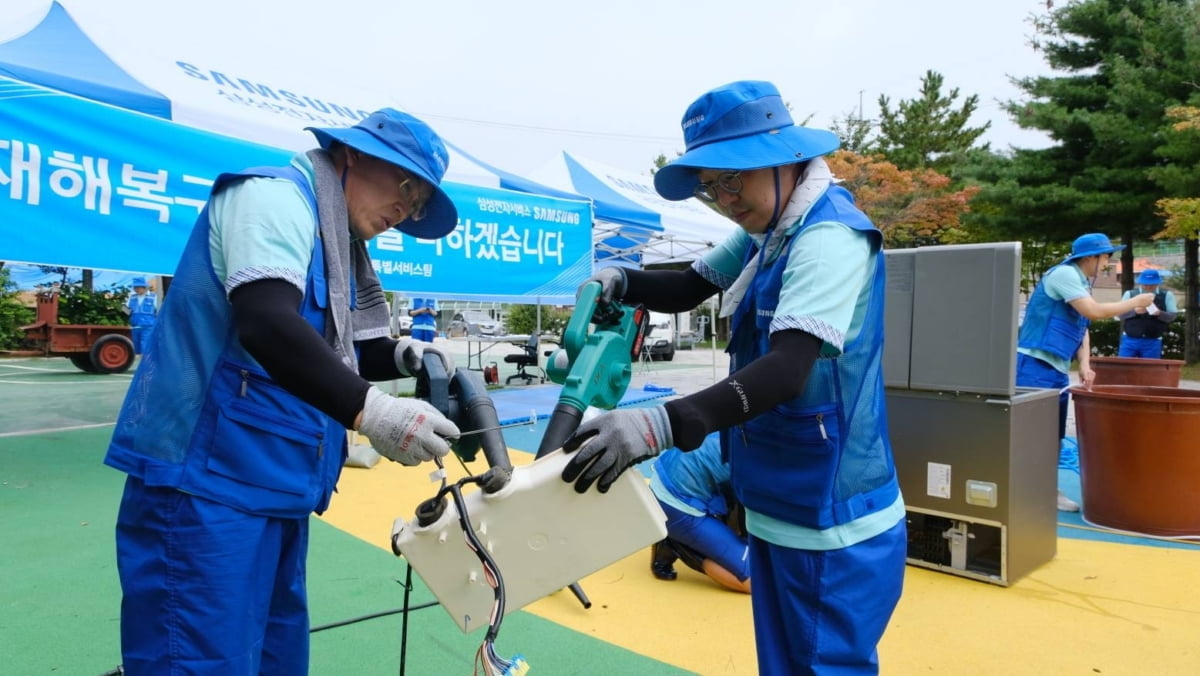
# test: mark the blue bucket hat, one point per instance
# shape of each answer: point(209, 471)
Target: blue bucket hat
point(1149, 278)
point(740, 126)
point(138, 281)
point(403, 140)
point(1091, 244)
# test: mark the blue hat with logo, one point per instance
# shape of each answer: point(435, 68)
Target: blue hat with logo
point(403, 140)
point(741, 126)
point(138, 281)
point(1091, 244)
point(1149, 277)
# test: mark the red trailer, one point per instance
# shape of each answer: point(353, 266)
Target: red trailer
point(93, 348)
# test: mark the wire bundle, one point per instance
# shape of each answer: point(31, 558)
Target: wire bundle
point(487, 662)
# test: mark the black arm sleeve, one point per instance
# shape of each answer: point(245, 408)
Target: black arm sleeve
point(271, 329)
point(762, 384)
point(667, 290)
point(377, 360)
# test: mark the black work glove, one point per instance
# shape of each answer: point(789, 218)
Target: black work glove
point(612, 284)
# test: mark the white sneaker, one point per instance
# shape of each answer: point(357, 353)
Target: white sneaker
point(1066, 504)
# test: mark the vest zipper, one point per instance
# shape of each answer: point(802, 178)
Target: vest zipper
point(821, 424)
point(245, 381)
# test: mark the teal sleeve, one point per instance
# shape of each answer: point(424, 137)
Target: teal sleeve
point(722, 264)
point(262, 228)
point(826, 284)
point(1066, 283)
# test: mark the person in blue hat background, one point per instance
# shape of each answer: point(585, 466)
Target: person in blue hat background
point(233, 430)
point(142, 309)
point(1142, 329)
point(1055, 327)
point(802, 414)
point(424, 314)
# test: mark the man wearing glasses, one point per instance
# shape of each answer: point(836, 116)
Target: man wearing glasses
point(1055, 326)
point(233, 429)
point(801, 414)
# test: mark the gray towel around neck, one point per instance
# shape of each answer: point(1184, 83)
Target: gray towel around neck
point(345, 259)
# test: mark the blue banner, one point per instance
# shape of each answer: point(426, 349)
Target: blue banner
point(84, 184)
point(506, 244)
point(87, 185)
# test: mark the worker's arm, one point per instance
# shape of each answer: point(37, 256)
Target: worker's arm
point(667, 290)
point(270, 327)
point(762, 384)
point(1084, 356)
point(1092, 309)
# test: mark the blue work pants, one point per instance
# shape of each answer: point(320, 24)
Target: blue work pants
point(208, 589)
point(824, 612)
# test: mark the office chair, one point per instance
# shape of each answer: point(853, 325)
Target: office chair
point(527, 358)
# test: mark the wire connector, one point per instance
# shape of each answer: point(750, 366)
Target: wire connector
point(518, 667)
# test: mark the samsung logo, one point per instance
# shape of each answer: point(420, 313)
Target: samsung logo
point(693, 121)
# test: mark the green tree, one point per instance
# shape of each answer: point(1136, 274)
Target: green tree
point(928, 131)
point(1180, 177)
point(855, 133)
point(521, 319)
point(1119, 64)
point(13, 313)
point(79, 305)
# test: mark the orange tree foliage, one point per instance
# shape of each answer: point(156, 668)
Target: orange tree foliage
point(1182, 214)
point(914, 207)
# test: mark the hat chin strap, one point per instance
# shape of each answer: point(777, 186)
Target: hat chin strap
point(778, 211)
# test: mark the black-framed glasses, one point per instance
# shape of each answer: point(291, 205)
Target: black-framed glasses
point(412, 198)
point(729, 181)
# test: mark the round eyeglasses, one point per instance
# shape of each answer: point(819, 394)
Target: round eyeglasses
point(730, 182)
point(412, 198)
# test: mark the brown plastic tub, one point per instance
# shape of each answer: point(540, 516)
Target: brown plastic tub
point(1135, 371)
point(1139, 457)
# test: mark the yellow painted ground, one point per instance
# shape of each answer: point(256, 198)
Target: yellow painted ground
point(1098, 608)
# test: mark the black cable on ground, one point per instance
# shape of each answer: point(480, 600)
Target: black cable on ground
point(372, 616)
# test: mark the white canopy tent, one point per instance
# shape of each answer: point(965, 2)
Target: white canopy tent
point(682, 230)
point(181, 119)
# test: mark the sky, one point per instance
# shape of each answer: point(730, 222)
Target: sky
point(516, 83)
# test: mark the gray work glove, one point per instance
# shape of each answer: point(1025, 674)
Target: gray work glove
point(408, 356)
point(607, 445)
point(612, 284)
point(409, 431)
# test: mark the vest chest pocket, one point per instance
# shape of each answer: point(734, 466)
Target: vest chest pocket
point(254, 445)
point(786, 458)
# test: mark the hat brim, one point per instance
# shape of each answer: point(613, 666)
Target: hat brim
point(1094, 252)
point(787, 145)
point(441, 216)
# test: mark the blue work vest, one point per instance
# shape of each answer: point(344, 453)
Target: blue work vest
point(822, 459)
point(1051, 325)
point(202, 416)
point(142, 310)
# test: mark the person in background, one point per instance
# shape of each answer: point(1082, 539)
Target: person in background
point(142, 309)
point(1055, 328)
point(233, 430)
point(704, 524)
point(1142, 329)
point(802, 416)
point(424, 314)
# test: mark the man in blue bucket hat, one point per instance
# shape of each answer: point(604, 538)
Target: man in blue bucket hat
point(801, 415)
point(1055, 328)
point(234, 427)
point(1142, 329)
point(142, 308)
